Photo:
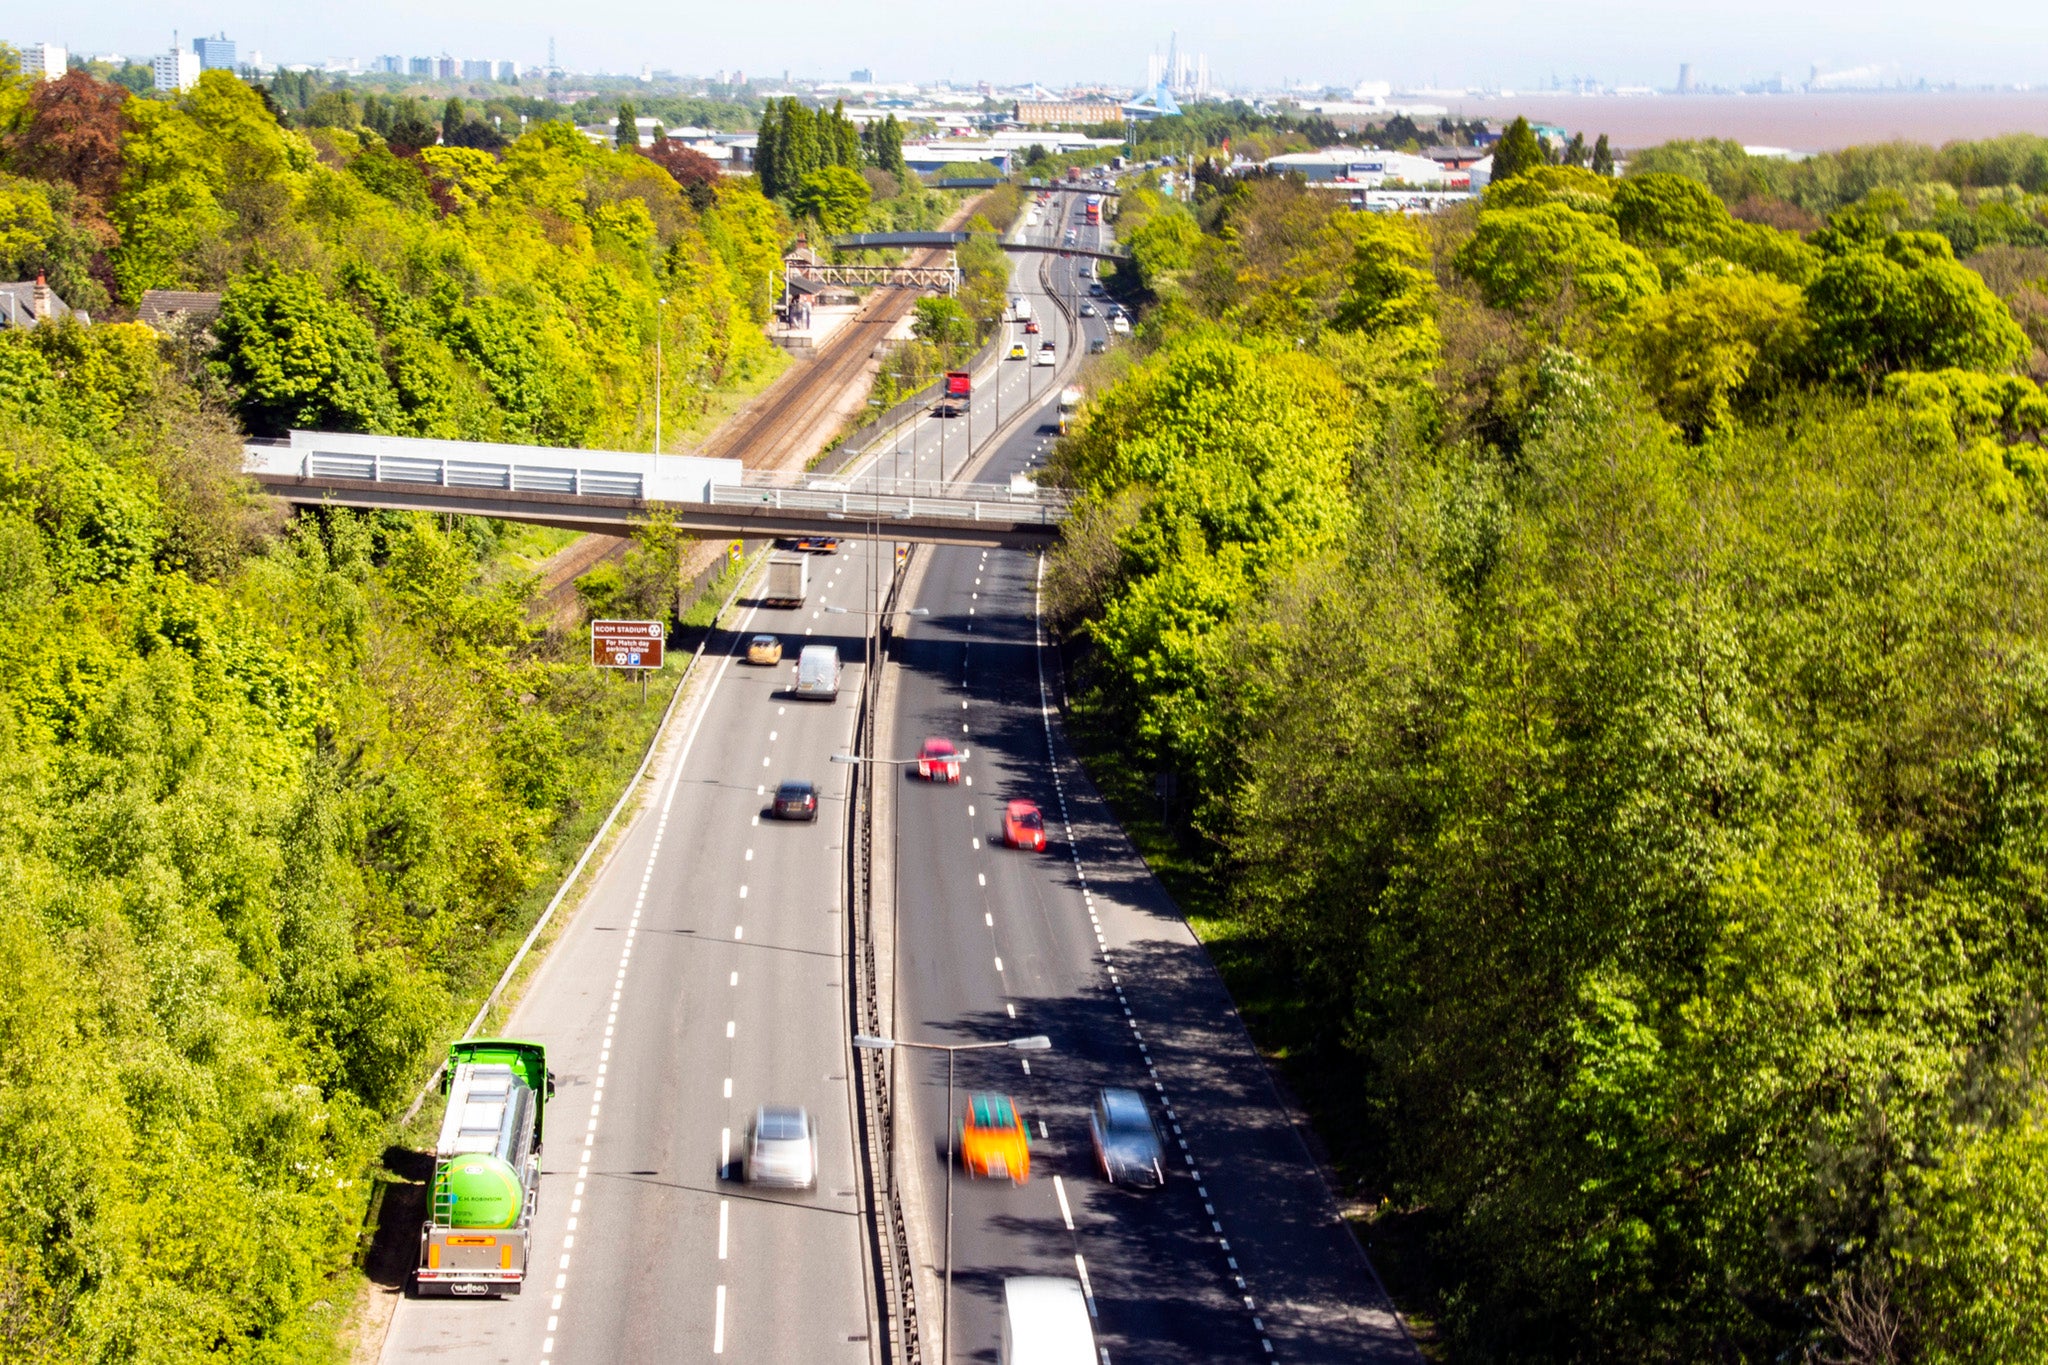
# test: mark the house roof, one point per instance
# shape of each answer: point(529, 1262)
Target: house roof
point(18, 304)
point(162, 307)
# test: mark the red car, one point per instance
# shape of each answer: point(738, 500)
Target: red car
point(1023, 826)
point(1031, 327)
point(938, 761)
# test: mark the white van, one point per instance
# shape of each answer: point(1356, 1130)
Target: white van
point(817, 672)
point(1045, 1322)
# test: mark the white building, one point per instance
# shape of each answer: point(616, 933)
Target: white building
point(175, 70)
point(46, 60)
point(1353, 167)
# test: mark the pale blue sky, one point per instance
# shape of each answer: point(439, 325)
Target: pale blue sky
point(1454, 42)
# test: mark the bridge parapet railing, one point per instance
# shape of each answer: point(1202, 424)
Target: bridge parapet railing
point(484, 465)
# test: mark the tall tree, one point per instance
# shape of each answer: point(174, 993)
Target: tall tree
point(453, 116)
point(845, 138)
point(768, 151)
point(73, 134)
point(1517, 151)
point(627, 135)
point(889, 149)
point(1603, 157)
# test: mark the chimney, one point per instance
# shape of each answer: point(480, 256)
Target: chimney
point(42, 304)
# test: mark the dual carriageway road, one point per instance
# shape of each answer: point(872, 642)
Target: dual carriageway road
point(705, 973)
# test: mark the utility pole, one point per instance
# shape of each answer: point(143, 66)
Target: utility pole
point(659, 305)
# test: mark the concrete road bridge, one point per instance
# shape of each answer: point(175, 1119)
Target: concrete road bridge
point(914, 240)
point(614, 492)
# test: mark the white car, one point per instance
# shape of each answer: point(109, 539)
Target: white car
point(1121, 325)
point(1046, 355)
point(782, 1147)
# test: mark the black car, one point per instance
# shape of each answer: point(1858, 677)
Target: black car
point(1097, 346)
point(1127, 1146)
point(795, 801)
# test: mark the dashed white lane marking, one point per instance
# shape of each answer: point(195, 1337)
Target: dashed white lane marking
point(1081, 875)
point(729, 1028)
point(1011, 1008)
point(718, 1324)
point(1059, 1190)
point(728, 1093)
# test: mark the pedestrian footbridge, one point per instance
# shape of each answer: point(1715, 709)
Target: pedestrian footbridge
point(614, 492)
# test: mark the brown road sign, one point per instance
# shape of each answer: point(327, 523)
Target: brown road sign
point(626, 644)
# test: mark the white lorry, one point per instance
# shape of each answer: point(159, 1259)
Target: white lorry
point(1045, 1322)
point(789, 579)
point(1020, 308)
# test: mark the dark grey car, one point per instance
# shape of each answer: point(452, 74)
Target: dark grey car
point(1127, 1143)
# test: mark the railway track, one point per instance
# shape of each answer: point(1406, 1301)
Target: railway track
point(763, 434)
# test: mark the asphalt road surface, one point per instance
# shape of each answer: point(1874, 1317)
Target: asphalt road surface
point(702, 976)
point(1242, 1256)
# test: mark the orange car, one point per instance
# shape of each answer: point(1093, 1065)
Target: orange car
point(993, 1140)
point(938, 761)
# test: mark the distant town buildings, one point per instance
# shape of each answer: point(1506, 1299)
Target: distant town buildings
point(1185, 75)
point(45, 60)
point(216, 53)
point(1039, 114)
point(176, 69)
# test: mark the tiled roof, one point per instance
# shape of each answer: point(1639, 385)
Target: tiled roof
point(162, 307)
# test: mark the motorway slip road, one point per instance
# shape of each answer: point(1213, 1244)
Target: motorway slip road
point(703, 975)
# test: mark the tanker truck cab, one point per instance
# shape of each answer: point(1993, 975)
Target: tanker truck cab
point(479, 1229)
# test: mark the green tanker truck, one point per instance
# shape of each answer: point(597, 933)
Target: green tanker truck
point(479, 1230)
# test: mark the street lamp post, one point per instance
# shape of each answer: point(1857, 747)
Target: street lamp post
point(1037, 1042)
point(659, 304)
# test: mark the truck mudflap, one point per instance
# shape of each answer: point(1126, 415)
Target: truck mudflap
point(471, 1262)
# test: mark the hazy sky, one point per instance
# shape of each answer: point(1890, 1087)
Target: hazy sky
point(1455, 42)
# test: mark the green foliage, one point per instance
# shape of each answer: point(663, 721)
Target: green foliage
point(274, 805)
point(1524, 259)
point(301, 359)
point(1714, 341)
point(1904, 303)
point(835, 197)
point(1613, 737)
point(941, 321)
point(1517, 152)
point(1239, 458)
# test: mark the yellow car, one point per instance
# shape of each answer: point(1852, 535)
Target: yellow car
point(764, 649)
point(1017, 351)
point(993, 1140)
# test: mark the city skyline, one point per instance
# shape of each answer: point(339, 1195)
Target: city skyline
point(1325, 43)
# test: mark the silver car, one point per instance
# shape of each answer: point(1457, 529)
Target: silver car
point(1127, 1145)
point(782, 1147)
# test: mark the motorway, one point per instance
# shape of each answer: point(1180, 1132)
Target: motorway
point(705, 973)
point(702, 975)
point(1242, 1256)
